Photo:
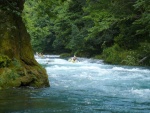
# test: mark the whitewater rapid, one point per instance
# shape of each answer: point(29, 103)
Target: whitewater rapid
point(103, 79)
point(88, 86)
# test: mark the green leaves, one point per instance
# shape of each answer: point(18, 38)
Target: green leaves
point(83, 26)
point(37, 24)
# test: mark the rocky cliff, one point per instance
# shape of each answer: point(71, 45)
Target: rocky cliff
point(17, 64)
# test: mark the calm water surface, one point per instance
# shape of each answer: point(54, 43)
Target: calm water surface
point(89, 86)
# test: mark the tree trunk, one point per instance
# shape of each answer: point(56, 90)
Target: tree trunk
point(17, 64)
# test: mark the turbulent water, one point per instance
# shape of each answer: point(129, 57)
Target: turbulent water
point(88, 86)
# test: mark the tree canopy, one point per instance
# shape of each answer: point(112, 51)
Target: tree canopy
point(117, 31)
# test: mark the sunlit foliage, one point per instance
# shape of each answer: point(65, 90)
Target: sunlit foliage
point(117, 30)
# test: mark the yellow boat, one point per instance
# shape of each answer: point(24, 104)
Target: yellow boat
point(73, 61)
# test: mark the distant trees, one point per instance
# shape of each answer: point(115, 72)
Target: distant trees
point(117, 31)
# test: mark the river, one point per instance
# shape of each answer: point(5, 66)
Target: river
point(88, 86)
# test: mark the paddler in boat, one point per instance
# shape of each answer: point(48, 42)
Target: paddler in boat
point(74, 58)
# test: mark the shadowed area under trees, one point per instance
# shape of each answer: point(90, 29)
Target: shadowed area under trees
point(17, 64)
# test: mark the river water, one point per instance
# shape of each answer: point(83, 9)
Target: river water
point(88, 86)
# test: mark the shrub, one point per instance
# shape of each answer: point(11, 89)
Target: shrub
point(116, 55)
point(111, 54)
point(144, 53)
point(130, 58)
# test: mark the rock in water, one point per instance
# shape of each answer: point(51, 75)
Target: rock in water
point(17, 64)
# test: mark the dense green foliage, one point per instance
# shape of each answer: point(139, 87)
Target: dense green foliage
point(116, 30)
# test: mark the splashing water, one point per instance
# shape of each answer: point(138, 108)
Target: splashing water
point(88, 86)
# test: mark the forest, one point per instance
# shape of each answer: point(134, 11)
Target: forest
point(117, 31)
point(96, 56)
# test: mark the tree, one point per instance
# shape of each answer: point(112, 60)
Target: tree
point(115, 30)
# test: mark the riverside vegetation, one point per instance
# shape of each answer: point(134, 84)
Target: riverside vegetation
point(116, 31)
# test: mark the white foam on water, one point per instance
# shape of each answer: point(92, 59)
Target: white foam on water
point(85, 75)
point(43, 61)
point(57, 67)
point(131, 69)
point(144, 93)
point(51, 56)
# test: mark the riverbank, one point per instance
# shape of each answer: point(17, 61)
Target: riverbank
point(116, 56)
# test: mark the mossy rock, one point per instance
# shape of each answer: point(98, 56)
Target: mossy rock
point(9, 78)
point(4, 61)
point(17, 64)
point(15, 77)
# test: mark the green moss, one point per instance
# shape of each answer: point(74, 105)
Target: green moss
point(18, 77)
point(17, 64)
point(4, 61)
point(9, 78)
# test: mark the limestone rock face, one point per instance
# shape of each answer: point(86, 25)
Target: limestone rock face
point(17, 64)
